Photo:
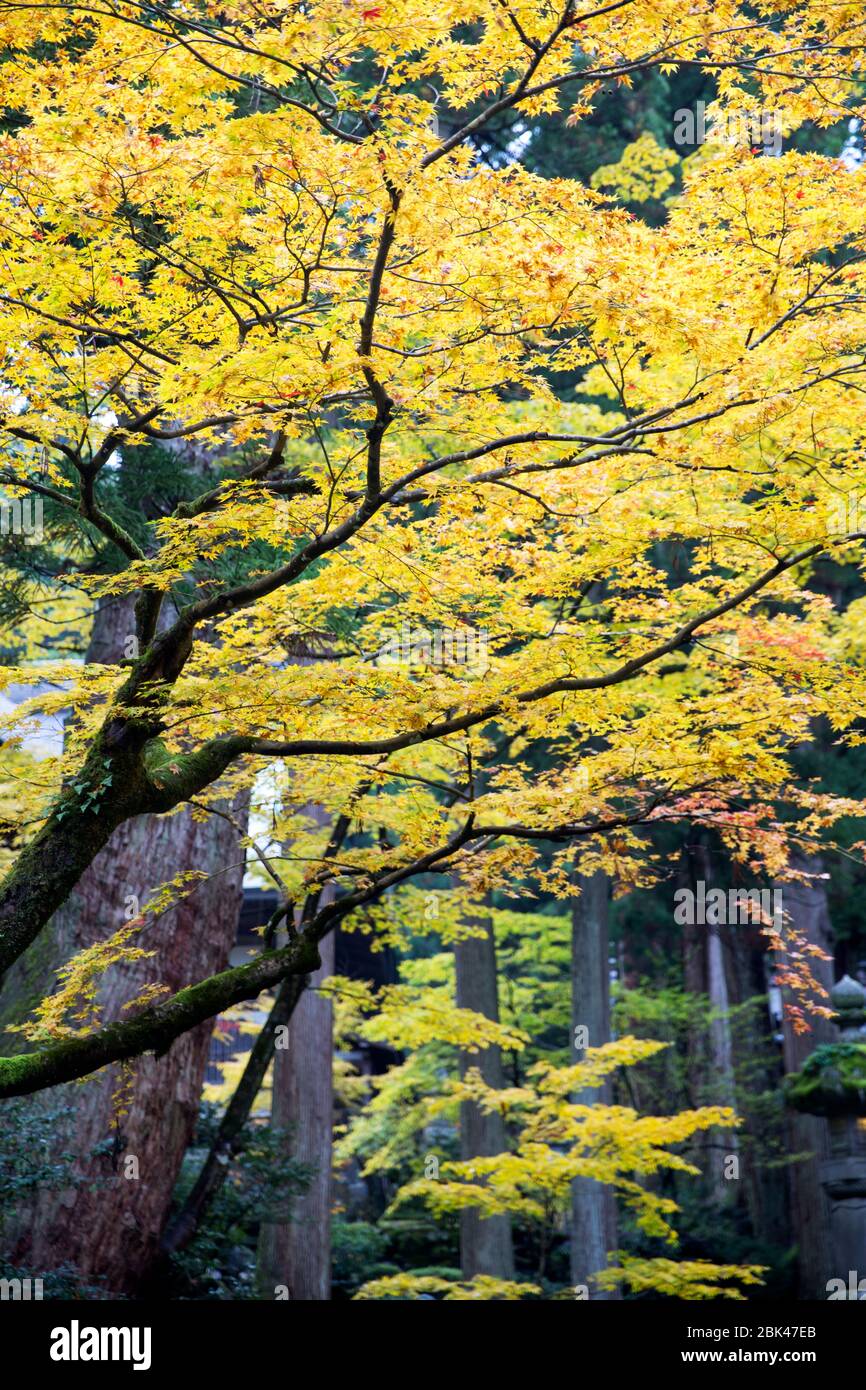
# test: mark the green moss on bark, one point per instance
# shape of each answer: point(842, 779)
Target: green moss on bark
point(155, 1028)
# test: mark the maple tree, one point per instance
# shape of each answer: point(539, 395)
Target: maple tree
point(246, 227)
point(556, 1138)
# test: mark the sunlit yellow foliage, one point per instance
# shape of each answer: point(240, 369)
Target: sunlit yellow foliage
point(252, 228)
point(73, 1008)
point(414, 1286)
point(689, 1279)
point(643, 171)
point(560, 1140)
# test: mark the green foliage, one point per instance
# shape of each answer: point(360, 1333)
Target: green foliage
point(357, 1254)
point(262, 1183)
point(64, 1283)
point(87, 796)
point(31, 1162)
point(29, 1159)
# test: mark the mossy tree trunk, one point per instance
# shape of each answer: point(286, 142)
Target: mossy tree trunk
point(128, 1127)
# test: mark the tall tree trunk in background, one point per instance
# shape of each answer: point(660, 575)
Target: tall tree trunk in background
point(721, 1049)
point(295, 1252)
point(485, 1242)
point(806, 907)
point(593, 1207)
point(107, 1226)
point(706, 949)
point(757, 1069)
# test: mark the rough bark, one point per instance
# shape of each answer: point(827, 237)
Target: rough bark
point(806, 906)
point(295, 1252)
point(757, 1068)
point(721, 1050)
point(593, 1207)
point(706, 947)
point(485, 1242)
point(128, 1152)
point(184, 1224)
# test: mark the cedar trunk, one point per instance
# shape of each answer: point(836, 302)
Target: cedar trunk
point(707, 965)
point(106, 1222)
point(485, 1242)
point(593, 1207)
point(806, 906)
point(295, 1252)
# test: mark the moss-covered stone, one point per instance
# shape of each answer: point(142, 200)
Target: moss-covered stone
point(831, 1082)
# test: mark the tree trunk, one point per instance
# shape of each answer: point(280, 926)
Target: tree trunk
point(225, 1144)
point(295, 1251)
point(485, 1242)
point(757, 1067)
point(127, 1151)
point(721, 1053)
point(806, 906)
point(706, 949)
point(593, 1205)
point(185, 1222)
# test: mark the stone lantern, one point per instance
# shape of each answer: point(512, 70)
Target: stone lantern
point(832, 1084)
